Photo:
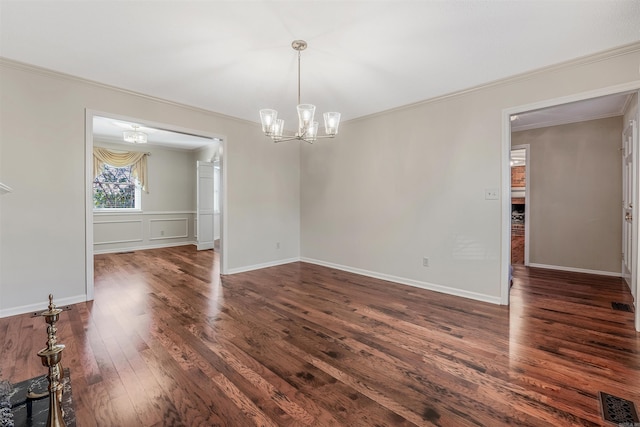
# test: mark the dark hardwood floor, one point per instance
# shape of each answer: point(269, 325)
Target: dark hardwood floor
point(168, 343)
point(517, 249)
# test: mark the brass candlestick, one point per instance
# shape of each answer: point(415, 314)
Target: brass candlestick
point(51, 357)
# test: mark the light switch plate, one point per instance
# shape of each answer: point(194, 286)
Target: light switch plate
point(491, 193)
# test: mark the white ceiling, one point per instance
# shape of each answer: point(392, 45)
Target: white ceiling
point(234, 57)
point(111, 130)
point(591, 109)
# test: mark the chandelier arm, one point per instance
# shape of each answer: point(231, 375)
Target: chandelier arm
point(284, 139)
point(300, 138)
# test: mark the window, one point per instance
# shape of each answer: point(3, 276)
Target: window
point(116, 188)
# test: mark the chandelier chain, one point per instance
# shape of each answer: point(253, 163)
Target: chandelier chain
point(299, 55)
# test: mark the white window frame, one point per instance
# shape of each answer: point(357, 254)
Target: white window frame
point(137, 199)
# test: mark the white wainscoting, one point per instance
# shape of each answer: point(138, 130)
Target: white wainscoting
point(117, 231)
point(120, 231)
point(169, 228)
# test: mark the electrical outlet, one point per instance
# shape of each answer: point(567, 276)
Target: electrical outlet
point(277, 245)
point(162, 232)
point(425, 262)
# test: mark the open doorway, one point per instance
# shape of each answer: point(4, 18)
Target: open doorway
point(568, 110)
point(519, 208)
point(165, 213)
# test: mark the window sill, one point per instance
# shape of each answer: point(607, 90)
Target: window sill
point(115, 211)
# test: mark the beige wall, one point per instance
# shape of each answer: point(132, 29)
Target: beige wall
point(42, 223)
point(391, 189)
point(575, 194)
point(410, 183)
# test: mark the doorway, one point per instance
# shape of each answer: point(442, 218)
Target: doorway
point(628, 88)
point(171, 223)
point(519, 204)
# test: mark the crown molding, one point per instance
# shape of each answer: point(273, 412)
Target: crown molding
point(22, 66)
point(583, 60)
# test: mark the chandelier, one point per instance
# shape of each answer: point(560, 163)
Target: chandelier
point(135, 136)
point(273, 127)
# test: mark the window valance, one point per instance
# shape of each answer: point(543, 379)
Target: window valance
point(137, 161)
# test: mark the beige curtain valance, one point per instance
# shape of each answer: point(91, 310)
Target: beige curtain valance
point(137, 160)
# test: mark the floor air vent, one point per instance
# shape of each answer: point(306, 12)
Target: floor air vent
point(621, 306)
point(618, 410)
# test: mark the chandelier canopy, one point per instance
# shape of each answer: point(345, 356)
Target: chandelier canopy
point(135, 136)
point(273, 127)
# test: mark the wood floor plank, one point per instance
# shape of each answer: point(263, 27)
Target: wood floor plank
point(168, 342)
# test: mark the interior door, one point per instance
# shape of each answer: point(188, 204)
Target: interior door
point(204, 208)
point(628, 177)
point(629, 190)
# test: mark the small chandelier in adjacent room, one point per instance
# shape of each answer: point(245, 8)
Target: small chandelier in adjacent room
point(135, 136)
point(273, 127)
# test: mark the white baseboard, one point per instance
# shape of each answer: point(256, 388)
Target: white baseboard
point(263, 265)
point(42, 306)
point(576, 270)
point(141, 248)
point(376, 275)
point(410, 282)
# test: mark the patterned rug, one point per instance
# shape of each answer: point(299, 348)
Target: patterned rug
point(6, 416)
point(35, 412)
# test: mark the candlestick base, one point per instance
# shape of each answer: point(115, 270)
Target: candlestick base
point(34, 413)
